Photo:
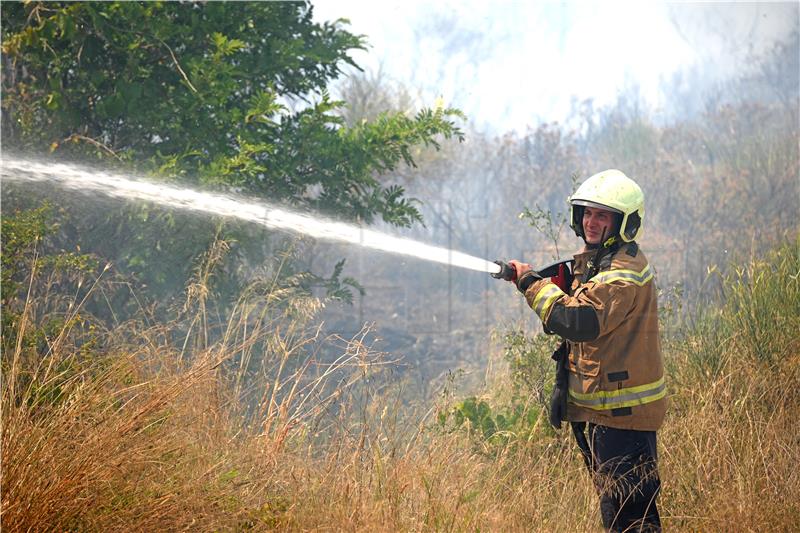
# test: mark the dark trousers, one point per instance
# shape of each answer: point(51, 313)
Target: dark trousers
point(625, 465)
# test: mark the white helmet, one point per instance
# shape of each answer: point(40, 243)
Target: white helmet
point(614, 191)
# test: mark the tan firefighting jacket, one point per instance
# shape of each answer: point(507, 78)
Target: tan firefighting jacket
point(616, 372)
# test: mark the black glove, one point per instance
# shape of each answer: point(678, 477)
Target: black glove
point(558, 406)
point(558, 399)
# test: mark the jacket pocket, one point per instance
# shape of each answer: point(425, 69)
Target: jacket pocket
point(584, 367)
point(588, 368)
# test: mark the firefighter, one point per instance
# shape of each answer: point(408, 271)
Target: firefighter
point(613, 377)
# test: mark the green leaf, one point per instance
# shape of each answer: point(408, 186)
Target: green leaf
point(115, 105)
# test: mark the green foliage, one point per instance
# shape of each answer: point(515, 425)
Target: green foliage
point(763, 302)
point(21, 232)
point(492, 428)
point(756, 315)
point(530, 364)
point(201, 92)
point(24, 247)
point(36, 274)
point(230, 96)
point(338, 289)
point(517, 417)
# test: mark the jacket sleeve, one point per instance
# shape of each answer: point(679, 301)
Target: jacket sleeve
point(596, 308)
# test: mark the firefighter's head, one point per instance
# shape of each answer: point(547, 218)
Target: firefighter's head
point(607, 203)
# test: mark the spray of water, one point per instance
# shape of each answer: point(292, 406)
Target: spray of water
point(86, 180)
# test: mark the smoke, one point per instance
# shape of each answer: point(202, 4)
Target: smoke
point(513, 65)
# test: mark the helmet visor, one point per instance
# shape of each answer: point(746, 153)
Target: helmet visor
point(587, 203)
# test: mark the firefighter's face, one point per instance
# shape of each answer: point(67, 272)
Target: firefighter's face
point(596, 223)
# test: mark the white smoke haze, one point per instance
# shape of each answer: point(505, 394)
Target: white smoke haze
point(510, 65)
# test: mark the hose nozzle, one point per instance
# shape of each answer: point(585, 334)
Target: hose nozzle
point(507, 272)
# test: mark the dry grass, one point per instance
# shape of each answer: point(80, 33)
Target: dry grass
point(145, 434)
point(731, 449)
point(731, 445)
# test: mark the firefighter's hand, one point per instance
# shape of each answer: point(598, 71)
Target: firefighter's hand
point(520, 269)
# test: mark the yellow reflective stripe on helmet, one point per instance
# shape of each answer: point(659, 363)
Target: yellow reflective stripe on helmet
point(616, 399)
point(545, 298)
point(639, 278)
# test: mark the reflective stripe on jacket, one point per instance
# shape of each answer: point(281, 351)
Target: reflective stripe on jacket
point(616, 372)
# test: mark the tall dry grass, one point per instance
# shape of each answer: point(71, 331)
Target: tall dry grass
point(149, 426)
point(731, 446)
point(160, 427)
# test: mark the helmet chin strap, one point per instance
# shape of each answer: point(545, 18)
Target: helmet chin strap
point(603, 243)
point(608, 243)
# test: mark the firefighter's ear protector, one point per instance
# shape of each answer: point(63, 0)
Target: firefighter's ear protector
point(632, 227)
